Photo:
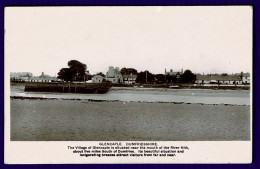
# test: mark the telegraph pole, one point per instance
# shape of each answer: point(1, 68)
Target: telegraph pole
point(146, 77)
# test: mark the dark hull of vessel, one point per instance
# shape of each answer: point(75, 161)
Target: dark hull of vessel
point(67, 87)
point(174, 87)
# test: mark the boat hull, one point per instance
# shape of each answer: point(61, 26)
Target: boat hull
point(174, 87)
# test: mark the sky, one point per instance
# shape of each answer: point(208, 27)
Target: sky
point(216, 39)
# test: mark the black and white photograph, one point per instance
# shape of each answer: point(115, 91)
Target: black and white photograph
point(128, 74)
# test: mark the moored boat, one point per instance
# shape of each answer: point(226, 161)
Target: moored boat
point(174, 87)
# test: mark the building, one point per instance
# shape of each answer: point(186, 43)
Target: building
point(97, 79)
point(218, 79)
point(202, 79)
point(129, 79)
point(43, 78)
point(174, 73)
point(246, 78)
point(87, 76)
point(20, 76)
point(113, 75)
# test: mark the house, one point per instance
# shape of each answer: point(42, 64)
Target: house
point(174, 73)
point(218, 79)
point(20, 76)
point(226, 79)
point(97, 79)
point(87, 76)
point(202, 79)
point(113, 75)
point(129, 79)
point(246, 78)
point(43, 78)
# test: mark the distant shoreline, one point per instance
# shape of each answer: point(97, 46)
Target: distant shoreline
point(166, 86)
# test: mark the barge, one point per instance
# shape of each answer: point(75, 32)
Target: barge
point(68, 87)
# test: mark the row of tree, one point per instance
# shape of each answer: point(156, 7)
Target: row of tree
point(76, 71)
point(147, 77)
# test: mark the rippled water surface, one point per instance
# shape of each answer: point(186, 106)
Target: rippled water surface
point(205, 96)
point(83, 120)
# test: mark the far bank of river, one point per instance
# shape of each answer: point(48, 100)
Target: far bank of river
point(188, 86)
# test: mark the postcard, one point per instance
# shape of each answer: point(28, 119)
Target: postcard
point(128, 84)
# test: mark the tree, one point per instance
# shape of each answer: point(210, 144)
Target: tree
point(128, 71)
point(101, 74)
point(76, 71)
point(160, 78)
point(65, 74)
point(144, 77)
point(188, 77)
point(171, 78)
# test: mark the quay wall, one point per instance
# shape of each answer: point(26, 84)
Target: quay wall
point(67, 87)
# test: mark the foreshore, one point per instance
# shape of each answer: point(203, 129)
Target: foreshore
point(38, 119)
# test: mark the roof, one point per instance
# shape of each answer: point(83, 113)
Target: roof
point(218, 77)
point(203, 77)
point(20, 74)
point(243, 74)
point(129, 76)
point(43, 78)
point(246, 74)
point(87, 73)
point(97, 76)
point(173, 73)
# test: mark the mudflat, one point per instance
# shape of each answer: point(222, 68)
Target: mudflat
point(83, 120)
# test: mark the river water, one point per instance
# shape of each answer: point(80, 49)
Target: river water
point(132, 94)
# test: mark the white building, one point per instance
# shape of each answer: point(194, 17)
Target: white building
point(20, 76)
point(43, 78)
point(97, 79)
point(113, 75)
point(129, 79)
point(218, 79)
point(246, 78)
